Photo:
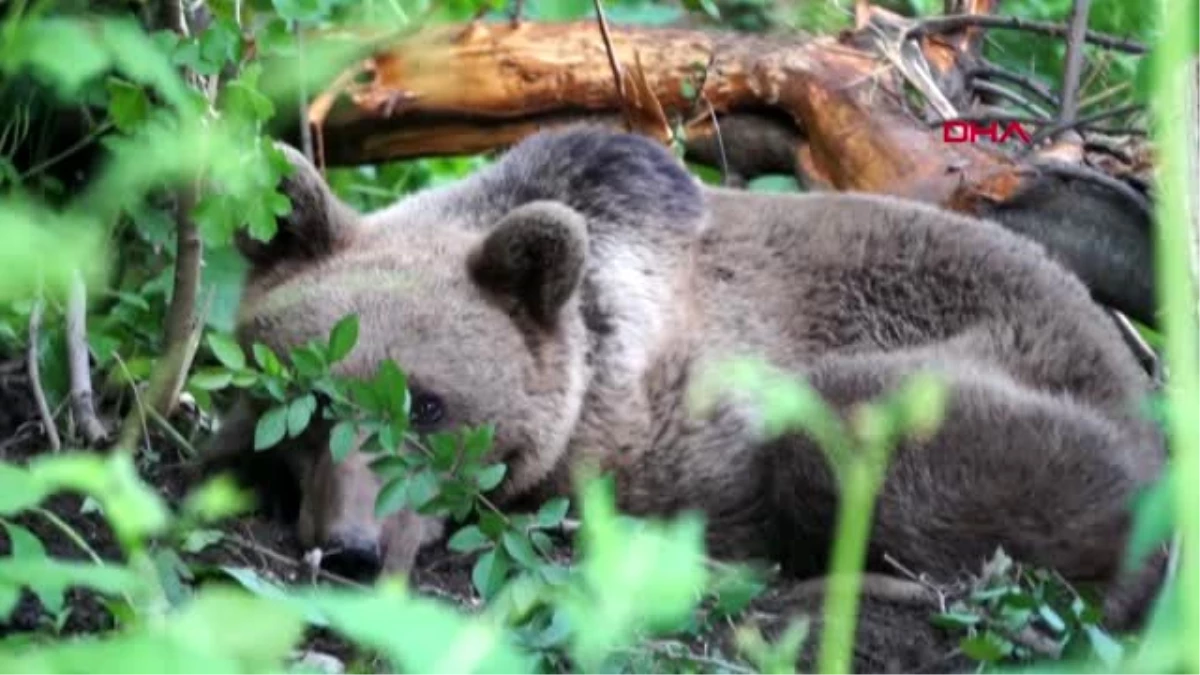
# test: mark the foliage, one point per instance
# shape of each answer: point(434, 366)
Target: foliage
point(136, 92)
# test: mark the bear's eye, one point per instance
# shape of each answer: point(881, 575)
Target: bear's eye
point(426, 410)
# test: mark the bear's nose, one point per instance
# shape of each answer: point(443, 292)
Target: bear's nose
point(355, 558)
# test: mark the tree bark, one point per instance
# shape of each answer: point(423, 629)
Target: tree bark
point(835, 111)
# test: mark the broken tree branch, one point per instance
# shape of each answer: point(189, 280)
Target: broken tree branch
point(83, 408)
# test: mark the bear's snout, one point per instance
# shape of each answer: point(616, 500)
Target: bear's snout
point(354, 555)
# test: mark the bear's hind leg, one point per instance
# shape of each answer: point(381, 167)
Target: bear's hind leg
point(1047, 479)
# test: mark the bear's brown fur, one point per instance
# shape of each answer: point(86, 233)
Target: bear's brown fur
point(572, 291)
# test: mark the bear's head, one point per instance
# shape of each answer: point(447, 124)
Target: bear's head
point(490, 294)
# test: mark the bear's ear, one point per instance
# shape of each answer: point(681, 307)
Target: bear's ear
point(534, 257)
point(317, 224)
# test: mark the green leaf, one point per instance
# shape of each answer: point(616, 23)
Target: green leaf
point(133, 509)
point(468, 539)
point(955, 619)
point(555, 633)
point(198, 540)
point(623, 594)
point(490, 477)
point(445, 450)
point(541, 541)
point(26, 546)
point(492, 524)
point(266, 359)
point(1105, 647)
point(307, 361)
point(300, 412)
point(254, 582)
point(49, 577)
point(391, 386)
point(341, 440)
point(210, 379)
point(437, 637)
point(986, 647)
point(18, 491)
point(709, 7)
point(734, 591)
point(1052, 619)
point(276, 387)
point(392, 497)
point(1153, 520)
point(227, 351)
point(551, 513)
point(342, 338)
point(489, 573)
point(299, 10)
point(127, 104)
point(520, 549)
point(424, 488)
point(271, 428)
point(478, 441)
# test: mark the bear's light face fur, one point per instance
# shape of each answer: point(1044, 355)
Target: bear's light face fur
point(477, 298)
point(569, 294)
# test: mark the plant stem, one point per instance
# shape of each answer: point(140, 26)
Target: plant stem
point(860, 478)
point(1178, 299)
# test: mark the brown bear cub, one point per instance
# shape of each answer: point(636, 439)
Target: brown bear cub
point(571, 292)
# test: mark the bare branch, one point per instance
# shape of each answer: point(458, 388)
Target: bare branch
point(992, 72)
point(35, 375)
point(1088, 122)
point(1074, 60)
point(945, 24)
point(1012, 96)
point(612, 57)
point(79, 363)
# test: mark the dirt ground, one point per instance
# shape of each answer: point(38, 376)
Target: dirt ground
point(895, 639)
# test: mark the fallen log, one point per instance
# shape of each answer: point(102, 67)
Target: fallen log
point(836, 111)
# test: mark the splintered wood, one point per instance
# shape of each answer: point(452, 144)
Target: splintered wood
point(844, 104)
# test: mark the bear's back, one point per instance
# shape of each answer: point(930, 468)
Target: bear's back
point(798, 277)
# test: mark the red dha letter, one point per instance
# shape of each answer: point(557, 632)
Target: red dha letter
point(1015, 127)
point(957, 131)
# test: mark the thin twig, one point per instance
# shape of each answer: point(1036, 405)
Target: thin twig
point(70, 533)
point(173, 433)
point(128, 438)
point(306, 135)
point(1074, 61)
point(1087, 122)
point(946, 24)
point(79, 364)
point(612, 60)
point(35, 377)
point(1026, 82)
point(679, 650)
point(720, 142)
point(288, 560)
point(1011, 96)
point(1141, 349)
point(67, 152)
